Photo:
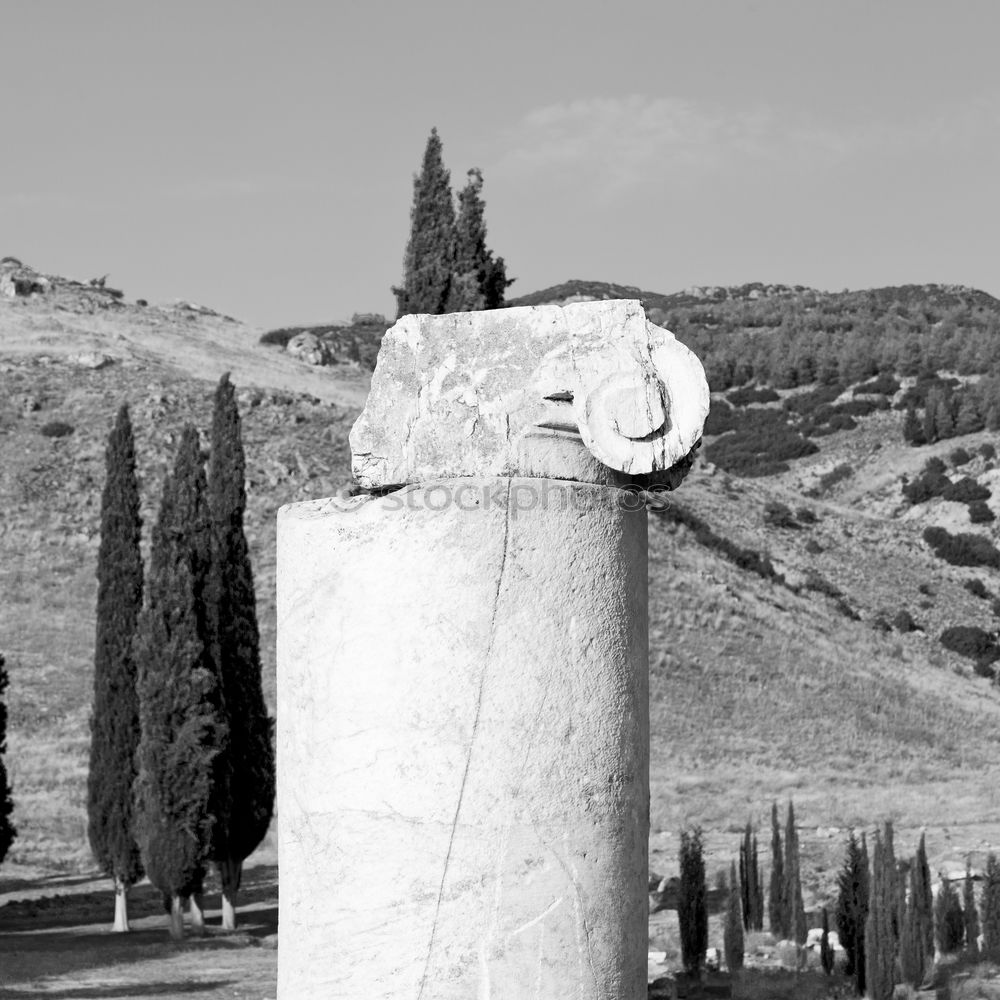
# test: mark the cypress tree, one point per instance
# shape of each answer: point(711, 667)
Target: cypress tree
point(912, 956)
point(991, 910)
point(776, 904)
point(692, 908)
point(880, 958)
point(925, 895)
point(913, 431)
point(180, 791)
point(7, 830)
point(825, 951)
point(895, 887)
point(430, 251)
point(733, 933)
point(852, 909)
point(250, 748)
point(795, 915)
point(949, 922)
point(970, 916)
point(479, 280)
point(114, 724)
point(746, 902)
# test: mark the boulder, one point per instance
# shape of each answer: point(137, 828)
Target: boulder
point(309, 348)
point(91, 359)
point(815, 936)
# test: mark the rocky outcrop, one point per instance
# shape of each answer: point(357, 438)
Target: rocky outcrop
point(307, 347)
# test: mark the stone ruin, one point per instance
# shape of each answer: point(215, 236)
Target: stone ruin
point(463, 717)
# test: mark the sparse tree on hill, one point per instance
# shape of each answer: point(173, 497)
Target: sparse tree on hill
point(7, 830)
point(991, 910)
point(114, 724)
point(949, 922)
point(795, 915)
point(970, 915)
point(880, 950)
point(852, 909)
point(180, 788)
point(692, 902)
point(430, 252)
point(479, 280)
point(825, 951)
point(776, 901)
point(733, 933)
point(250, 744)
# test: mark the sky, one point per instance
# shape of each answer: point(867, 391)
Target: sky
point(258, 158)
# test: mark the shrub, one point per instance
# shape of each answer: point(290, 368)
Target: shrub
point(779, 515)
point(745, 395)
point(962, 549)
point(884, 385)
point(859, 407)
point(808, 402)
point(806, 515)
point(141, 302)
point(959, 457)
point(813, 547)
point(977, 588)
point(56, 429)
point(987, 451)
point(926, 486)
point(278, 338)
point(757, 451)
point(970, 641)
point(903, 622)
point(934, 465)
point(980, 512)
point(840, 472)
point(966, 490)
point(949, 924)
point(721, 418)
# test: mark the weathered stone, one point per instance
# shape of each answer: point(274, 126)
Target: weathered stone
point(309, 348)
point(484, 393)
point(91, 359)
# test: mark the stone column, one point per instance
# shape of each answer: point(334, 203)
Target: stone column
point(463, 723)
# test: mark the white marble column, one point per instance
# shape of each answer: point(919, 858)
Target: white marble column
point(463, 729)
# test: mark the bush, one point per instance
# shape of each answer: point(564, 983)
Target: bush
point(962, 549)
point(859, 407)
point(806, 515)
point(746, 395)
point(903, 622)
point(987, 451)
point(56, 429)
point(966, 490)
point(959, 457)
point(926, 486)
point(835, 475)
point(977, 588)
point(808, 402)
point(277, 338)
point(779, 515)
point(980, 512)
point(813, 547)
point(884, 385)
point(970, 641)
point(757, 451)
point(934, 465)
point(721, 418)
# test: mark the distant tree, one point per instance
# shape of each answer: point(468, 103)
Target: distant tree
point(896, 886)
point(479, 280)
point(949, 922)
point(991, 910)
point(913, 431)
point(692, 907)
point(776, 911)
point(931, 404)
point(733, 933)
point(825, 951)
point(880, 952)
point(7, 830)
point(944, 421)
point(250, 748)
point(430, 252)
point(852, 909)
point(970, 916)
point(179, 797)
point(912, 956)
point(757, 897)
point(795, 916)
point(114, 724)
point(924, 895)
point(969, 419)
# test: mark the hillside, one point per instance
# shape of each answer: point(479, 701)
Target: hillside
point(775, 669)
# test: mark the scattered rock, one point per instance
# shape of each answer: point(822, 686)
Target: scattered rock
point(309, 348)
point(91, 359)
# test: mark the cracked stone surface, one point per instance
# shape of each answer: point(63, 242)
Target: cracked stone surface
point(463, 743)
point(581, 391)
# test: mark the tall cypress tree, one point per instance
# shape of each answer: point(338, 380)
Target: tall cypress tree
point(880, 944)
point(912, 955)
point(250, 748)
point(732, 940)
point(692, 902)
point(991, 910)
point(970, 915)
point(430, 251)
point(852, 909)
point(745, 891)
point(925, 895)
point(479, 280)
point(758, 896)
point(949, 921)
point(795, 914)
point(114, 724)
point(7, 829)
point(776, 904)
point(180, 788)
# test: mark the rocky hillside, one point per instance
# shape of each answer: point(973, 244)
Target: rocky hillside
point(781, 660)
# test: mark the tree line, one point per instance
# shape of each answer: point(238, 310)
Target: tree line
point(181, 758)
